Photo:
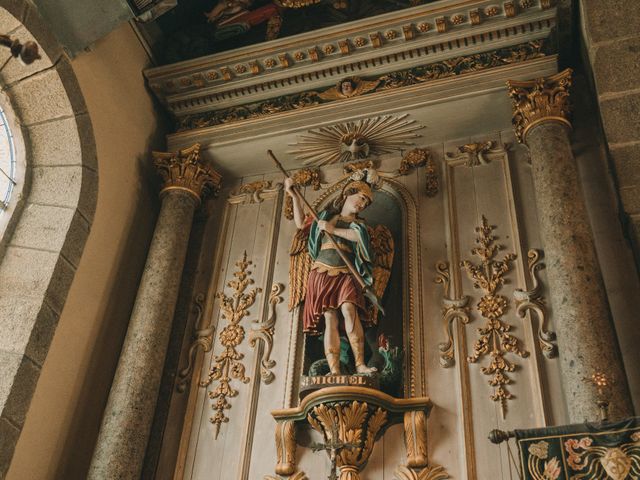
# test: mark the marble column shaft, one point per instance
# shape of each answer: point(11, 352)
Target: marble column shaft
point(129, 413)
point(128, 417)
point(586, 336)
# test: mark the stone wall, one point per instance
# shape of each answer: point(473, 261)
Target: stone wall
point(611, 35)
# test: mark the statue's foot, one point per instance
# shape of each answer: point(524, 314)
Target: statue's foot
point(366, 370)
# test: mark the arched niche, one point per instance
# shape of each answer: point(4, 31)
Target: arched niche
point(401, 295)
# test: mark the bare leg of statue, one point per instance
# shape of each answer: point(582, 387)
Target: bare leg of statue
point(355, 333)
point(332, 341)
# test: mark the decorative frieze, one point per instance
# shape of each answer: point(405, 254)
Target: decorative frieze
point(541, 100)
point(350, 87)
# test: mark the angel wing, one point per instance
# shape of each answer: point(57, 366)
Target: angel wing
point(383, 247)
point(299, 266)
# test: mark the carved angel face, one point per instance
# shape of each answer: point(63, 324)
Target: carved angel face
point(347, 88)
point(355, 203)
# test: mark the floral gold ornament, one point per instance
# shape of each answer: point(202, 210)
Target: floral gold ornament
point(184, 171)
point(599, 461)
point(299, 56)
point(264, 331)
point(228, 365)
point(526, 3)
point(495, 339)
point(538, 101)
point(203, 338)
point(391, 34)
point(452, 308)
point(307, 177)
point(532, 301)
point(421, 157)
point(350, 430)
point(360, 42)
point(240, 69)
point(475, 152)
point(355, 140)
point(329, 49)
point(424, 27)
point(602, 383)
point(286, 447)
point(254, 192)
point(295, 476)
point(389, 81)
point(491, 11)
point(458, 19)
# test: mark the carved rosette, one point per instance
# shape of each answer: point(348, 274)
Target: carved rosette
point(541, 100)
point(185, 171)
point(350, 430)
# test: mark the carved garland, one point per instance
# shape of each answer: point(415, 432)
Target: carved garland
point(495, 338)
point(421, 157)
point(228, 366)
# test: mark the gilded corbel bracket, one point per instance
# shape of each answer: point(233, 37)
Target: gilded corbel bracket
point(264, 331)
point(452, 308)
point(532, 301)
point(475, 153)
point(295, 476)
point(228, 365)
point(203, 338)
point(351, 419)
point(254, 192)
point(415, 437)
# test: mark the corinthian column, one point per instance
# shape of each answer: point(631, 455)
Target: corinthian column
point(126, 424)
point(586, 338)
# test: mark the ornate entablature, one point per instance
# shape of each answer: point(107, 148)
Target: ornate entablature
point(448, 36)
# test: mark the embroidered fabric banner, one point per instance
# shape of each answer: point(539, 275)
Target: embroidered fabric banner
point(586, 451)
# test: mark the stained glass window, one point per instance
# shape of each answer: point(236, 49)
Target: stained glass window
point(7, 162)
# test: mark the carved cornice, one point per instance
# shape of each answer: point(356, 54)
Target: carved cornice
point(184, 171)
point(318, 59)
point(378, 85)
point(538, 101)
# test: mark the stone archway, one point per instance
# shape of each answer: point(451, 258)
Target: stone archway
point(45, 238)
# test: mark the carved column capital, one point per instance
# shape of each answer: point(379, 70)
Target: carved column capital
point(185, 171)
point(538, 101)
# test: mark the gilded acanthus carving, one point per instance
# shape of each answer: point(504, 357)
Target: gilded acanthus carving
point(351, 141)
point(421, 157)
point(403, 78)
point(415, 438)
point(286, 447)
point(228, 365)
point(185, 171)
point(203, 338)
point(350, 430)
point(433, 472)
point(296, 476)
point(532, 301)
point(540, 100)
point(307, 177)
point(254, 192)
point(495, 339)
point(264, 331)
point(452, 308)
point(474, 153)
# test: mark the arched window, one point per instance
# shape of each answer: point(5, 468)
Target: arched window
point(12, 163)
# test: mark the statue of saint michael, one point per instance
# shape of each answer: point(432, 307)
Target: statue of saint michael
point(330, 282)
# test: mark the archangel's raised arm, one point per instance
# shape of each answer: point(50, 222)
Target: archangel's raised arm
point(298, 211)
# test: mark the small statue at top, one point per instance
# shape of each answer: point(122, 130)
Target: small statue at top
point(338, 263)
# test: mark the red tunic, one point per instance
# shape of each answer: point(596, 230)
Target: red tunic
point(326, 292)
